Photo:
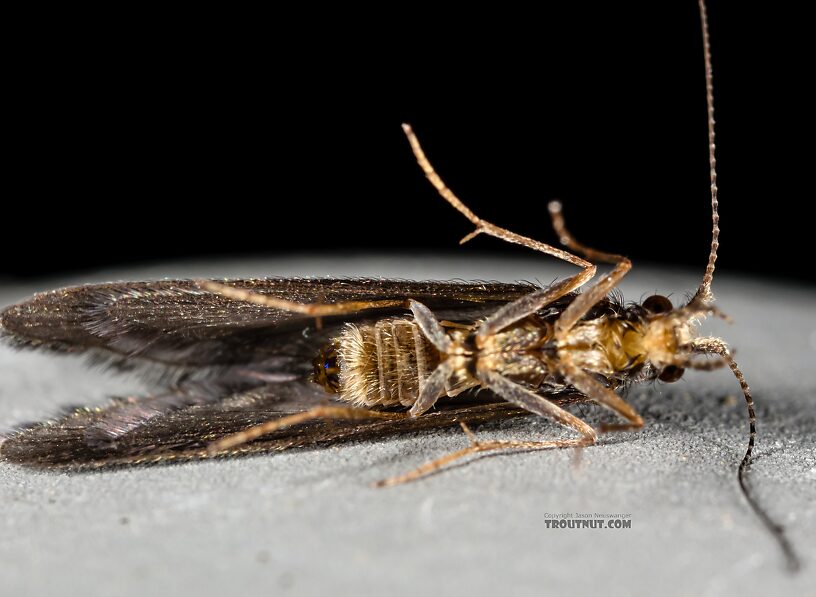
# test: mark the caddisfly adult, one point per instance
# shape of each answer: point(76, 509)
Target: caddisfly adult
point(241, 376)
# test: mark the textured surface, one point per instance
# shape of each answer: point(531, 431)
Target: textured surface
point(307, 522)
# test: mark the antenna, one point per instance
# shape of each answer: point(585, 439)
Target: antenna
point(704, 291)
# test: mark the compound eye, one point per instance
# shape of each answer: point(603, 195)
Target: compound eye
point(657, 303)
point(671, 374)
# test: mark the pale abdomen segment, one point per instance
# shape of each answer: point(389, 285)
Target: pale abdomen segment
point(383, 363)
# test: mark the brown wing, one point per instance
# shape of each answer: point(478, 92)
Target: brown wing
point(175, 323)
point(217, 345)
point(73, 441)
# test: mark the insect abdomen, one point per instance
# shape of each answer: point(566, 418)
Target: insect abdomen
point(382, 364)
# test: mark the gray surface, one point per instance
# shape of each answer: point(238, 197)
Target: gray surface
point(307, 522)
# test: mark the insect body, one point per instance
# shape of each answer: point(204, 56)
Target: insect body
point(387, 362)
point(234, 351)
point(546, 341)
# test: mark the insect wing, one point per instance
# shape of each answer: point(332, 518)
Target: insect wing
point(176, 323)
point(184, 434)
point(214, 354)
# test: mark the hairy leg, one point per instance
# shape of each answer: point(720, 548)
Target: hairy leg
point(348, 413)
point(521, 396)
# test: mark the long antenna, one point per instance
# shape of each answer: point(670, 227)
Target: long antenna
point(777, 531)
point(704, 291)
point(705, 296)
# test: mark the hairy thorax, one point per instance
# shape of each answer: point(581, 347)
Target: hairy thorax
point(386, 363)
point(606, 346)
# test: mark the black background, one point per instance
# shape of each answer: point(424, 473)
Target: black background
point(158, 136)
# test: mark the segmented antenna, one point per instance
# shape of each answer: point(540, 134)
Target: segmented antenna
point(718, 347)
point(778, 532)
point(704, 291)
point(704, 295)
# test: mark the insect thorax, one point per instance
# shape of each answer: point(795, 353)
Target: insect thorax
point(607, 346)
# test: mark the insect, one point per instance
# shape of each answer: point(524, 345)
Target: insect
point(269, 364)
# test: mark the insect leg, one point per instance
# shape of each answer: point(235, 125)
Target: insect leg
point(569, 241)
point(432, 388)
point(348, 413)
point(521, 396)
point(529, 400)
point(604, 396)
point(530, 303)
point(483, 226)
point(514, 312)
point(584, 302)
point(430, 327)
point(316, 310)
point(313, 309)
